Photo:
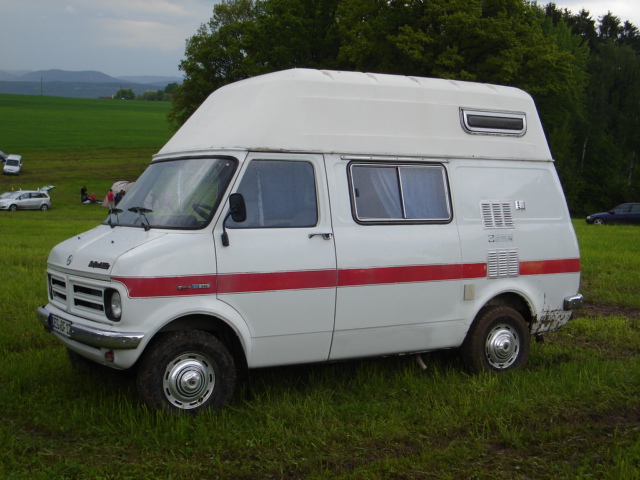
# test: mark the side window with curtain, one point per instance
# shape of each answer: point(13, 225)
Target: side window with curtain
point(400, 193)
point(278, 194)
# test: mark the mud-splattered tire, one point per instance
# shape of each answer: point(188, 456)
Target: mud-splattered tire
point(497, 341)
point(186, 370)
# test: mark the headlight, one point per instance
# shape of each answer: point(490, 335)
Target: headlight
point(113, 305)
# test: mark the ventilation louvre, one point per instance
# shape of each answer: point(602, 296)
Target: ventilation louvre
point(496, 214)
point(503, 263)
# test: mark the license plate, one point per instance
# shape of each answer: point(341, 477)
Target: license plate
point(60, 325)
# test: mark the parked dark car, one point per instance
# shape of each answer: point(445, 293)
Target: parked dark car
point(625, 214)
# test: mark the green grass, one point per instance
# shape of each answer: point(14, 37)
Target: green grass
point(574, 412)
point(610, 263)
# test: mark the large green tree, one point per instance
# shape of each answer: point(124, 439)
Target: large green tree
point(245, 38)
point(583, 74)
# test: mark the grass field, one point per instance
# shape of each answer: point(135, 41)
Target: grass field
point(573, 412)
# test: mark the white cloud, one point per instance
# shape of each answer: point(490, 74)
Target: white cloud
point(117, 37)
point(623, 9)
point(141, 34)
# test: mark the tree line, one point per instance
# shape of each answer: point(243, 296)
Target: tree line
point(584, 74)
point(164, 95)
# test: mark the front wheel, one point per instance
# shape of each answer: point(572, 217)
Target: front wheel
point(598, 221)
point(187, 370)
point(497, 341)
point(13, 208)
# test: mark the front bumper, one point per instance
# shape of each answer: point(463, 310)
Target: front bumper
point(91, 336)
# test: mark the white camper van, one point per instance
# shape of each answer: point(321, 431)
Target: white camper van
point(313, 216)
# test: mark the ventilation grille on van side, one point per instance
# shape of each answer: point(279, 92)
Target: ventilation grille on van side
point(496, 214)
point(503, 263)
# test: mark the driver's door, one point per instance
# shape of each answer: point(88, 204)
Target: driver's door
point(279, 270)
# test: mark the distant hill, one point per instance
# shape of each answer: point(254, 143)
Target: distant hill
point(6, 76)
point(85, 84)
point(88, 76)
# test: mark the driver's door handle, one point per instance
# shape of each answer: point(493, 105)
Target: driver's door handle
point(326, 236)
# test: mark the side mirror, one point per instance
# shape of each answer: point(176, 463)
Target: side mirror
point(237, 208)
point(238, 213)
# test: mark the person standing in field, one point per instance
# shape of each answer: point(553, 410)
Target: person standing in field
point(111, 199)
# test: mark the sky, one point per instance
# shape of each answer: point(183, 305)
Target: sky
point(141, 37)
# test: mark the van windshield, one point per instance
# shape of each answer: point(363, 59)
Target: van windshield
point(181, 194)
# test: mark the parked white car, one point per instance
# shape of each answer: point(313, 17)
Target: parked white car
point(12, 165)
point(26, 199)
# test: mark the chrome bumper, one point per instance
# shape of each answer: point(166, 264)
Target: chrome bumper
point(94, 337)
point(573, 302)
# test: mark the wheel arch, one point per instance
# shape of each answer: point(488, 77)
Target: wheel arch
point(514, 300)
point(215, 326)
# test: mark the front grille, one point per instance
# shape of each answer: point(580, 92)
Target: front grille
point(77, 295)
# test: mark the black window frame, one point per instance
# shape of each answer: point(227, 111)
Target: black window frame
point(242, 226)
point(399, 221)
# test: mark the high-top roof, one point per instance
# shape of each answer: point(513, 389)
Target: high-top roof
point(361, 113)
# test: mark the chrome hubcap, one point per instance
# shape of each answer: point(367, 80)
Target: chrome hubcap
point(189, 381)
point(502, 346)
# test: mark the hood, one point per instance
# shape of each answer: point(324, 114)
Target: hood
point(96, 251)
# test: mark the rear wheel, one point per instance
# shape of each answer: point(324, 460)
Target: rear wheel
point(44, 207)
point(187, 370)
point(497, 341)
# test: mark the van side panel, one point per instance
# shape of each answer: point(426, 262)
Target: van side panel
point(513, 216)
point(398, 284)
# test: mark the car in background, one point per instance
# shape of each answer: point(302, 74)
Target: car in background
point(12, 165)
point(625, 214)
point(26, 199)
point(3, 156)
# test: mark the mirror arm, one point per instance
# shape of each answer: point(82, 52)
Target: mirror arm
point(225, 235)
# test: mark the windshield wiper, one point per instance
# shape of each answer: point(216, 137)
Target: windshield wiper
point(141, 214)
point(111, 212)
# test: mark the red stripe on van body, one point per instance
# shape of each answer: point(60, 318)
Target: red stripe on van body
point(276, 281)
point(266, 282)
point(546, 267)
point(168, 286)
point(409, 274)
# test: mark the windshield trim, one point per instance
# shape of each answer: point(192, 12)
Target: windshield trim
point(112, 217)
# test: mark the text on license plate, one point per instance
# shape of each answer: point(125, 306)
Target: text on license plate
point(61, 326)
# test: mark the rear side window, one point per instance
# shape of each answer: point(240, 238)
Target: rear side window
point(279, 194)
point(400, 193)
